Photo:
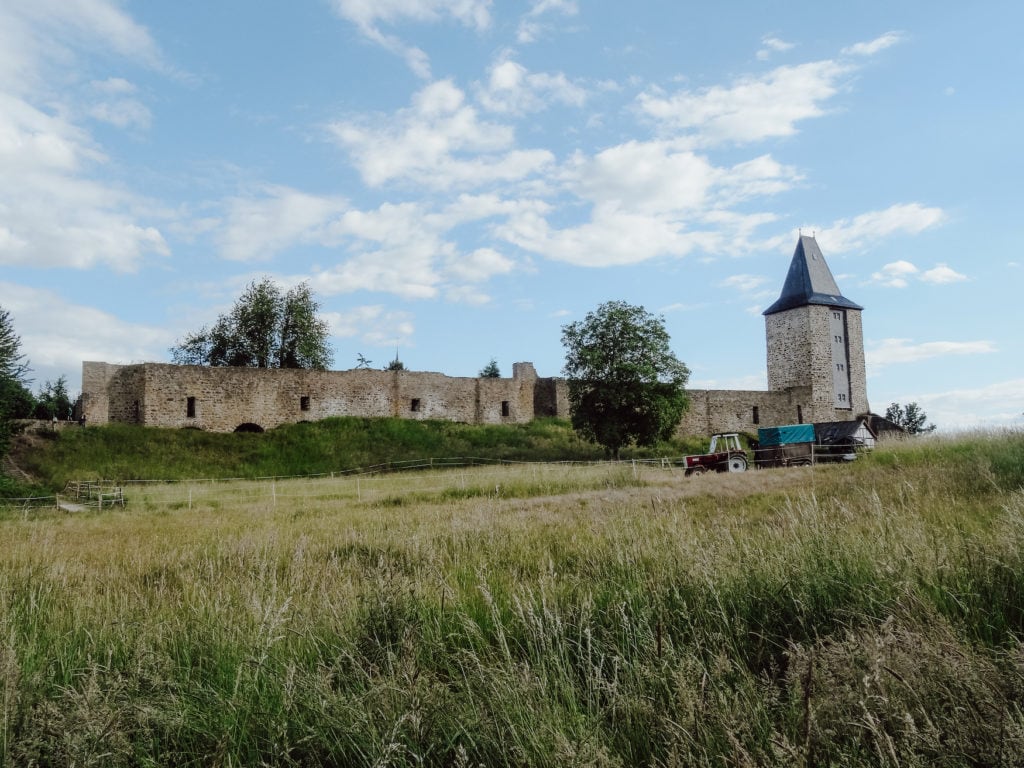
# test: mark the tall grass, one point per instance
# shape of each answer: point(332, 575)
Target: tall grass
point(869, 614)
point(122, 452)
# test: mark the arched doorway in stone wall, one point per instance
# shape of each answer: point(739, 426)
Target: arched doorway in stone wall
point(249, 427)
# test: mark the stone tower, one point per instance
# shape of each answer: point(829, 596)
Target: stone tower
point(816, 341)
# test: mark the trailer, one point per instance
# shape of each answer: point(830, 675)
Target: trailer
point(800, 445)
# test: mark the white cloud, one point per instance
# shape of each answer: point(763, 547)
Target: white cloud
point(479, 266)
point(55, 208)
point(366, 14)
point(999, 404)
point(772, 45)
point(373, 324)
point(369, 15)
point(903, 218)
point(744, 283)
point(85, 333)
point(511, 88)
point(467, 294)
point(438, 142)
point(891, 351)
point(257, 228)
point(650, 199)
point(611, 238)
point(750, 109)
point(649, 177)
point(114, 103)
point(942, 274)
point(895, 274)
point(871, 47)
point(533, 25)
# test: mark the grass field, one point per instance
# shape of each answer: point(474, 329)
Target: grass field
point(549, 615)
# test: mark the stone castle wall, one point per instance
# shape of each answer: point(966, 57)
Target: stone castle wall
point(801, 389)
point(223, 399)
point(719, 410)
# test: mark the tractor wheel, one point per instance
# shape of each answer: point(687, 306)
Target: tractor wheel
point(800, 463)
point(698, 470)
point(737, 464)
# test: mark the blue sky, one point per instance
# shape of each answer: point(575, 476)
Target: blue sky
point(459, 179)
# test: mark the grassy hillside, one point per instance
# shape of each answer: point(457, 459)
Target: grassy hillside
point(122, 453)
point(858, 615)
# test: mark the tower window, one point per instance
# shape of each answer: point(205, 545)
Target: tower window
point(190, 408)
point(799, 415)
point(414, 405)
point(304, 403)
point(756, 416)
point(505, 411)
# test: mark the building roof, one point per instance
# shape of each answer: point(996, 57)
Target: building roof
point(833, 432)
point(809, 281)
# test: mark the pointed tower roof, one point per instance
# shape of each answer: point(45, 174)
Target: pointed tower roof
point(809, 281)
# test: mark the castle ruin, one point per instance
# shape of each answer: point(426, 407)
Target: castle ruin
point(816, 373)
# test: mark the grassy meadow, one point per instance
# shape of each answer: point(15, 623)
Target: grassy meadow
point(527, 615)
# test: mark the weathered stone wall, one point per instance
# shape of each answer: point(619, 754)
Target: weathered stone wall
point(222, 399)
point(716, 410)
point(798, 343)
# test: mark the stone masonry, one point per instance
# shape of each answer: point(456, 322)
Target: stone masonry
point(816, 373)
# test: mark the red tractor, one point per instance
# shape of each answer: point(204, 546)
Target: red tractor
point(724, 455)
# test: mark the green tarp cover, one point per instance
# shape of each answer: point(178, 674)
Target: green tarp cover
point(791, 433)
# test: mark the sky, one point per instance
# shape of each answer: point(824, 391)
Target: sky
point(459, 179)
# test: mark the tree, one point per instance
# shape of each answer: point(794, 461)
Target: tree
point(15, 398)
point(910, 416)
point(266, 328)
point(491, 370)
point(53, 400)
point(625, 384)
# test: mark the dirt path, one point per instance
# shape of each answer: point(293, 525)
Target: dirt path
point(9, 465)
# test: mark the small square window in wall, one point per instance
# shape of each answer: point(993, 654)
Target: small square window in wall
point(190, 408)
point(505, 410)
point(414, 406)
point(304, 403)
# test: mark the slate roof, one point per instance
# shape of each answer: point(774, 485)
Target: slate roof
point(809, 281)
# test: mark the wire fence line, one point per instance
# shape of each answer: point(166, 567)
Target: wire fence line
point(433, 476)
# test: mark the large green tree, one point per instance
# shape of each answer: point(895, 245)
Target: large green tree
point(625, 384)
point(911, 417)
point(53, 400)
point(266, 328)
point(15, 399)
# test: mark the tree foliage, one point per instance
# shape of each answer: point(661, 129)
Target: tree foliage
point(491, 370)
point(53, 400)
point(14, 397)
point(910, 416)
point(266, 328)
point(625, 384)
